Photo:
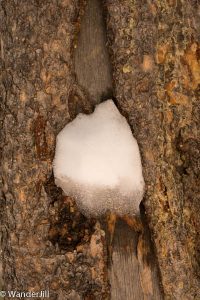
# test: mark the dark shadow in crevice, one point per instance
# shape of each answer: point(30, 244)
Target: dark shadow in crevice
point(68, 227)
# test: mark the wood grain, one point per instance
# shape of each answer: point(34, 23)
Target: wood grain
point(92, 65)
point(133, 272)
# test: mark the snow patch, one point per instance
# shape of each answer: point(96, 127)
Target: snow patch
point(97, 161)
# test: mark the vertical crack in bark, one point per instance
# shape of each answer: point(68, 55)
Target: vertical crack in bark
point(94, 77)
point(92, 63)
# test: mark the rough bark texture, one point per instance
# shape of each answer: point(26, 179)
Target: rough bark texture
point(154, 50)
point(47, 244)
point(154, 47)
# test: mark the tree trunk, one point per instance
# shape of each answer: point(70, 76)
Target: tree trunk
point(47, 244)
point(155, 56)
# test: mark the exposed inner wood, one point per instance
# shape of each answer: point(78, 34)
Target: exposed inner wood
point(133, 273)
point(92, 65)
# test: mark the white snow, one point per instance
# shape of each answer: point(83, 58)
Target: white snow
point(97, 161)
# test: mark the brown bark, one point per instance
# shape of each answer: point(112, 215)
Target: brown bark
point(47, 243)
point(154, 46)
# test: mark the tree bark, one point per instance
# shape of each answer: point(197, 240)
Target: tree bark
point(47, 243)
point(155, 55)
